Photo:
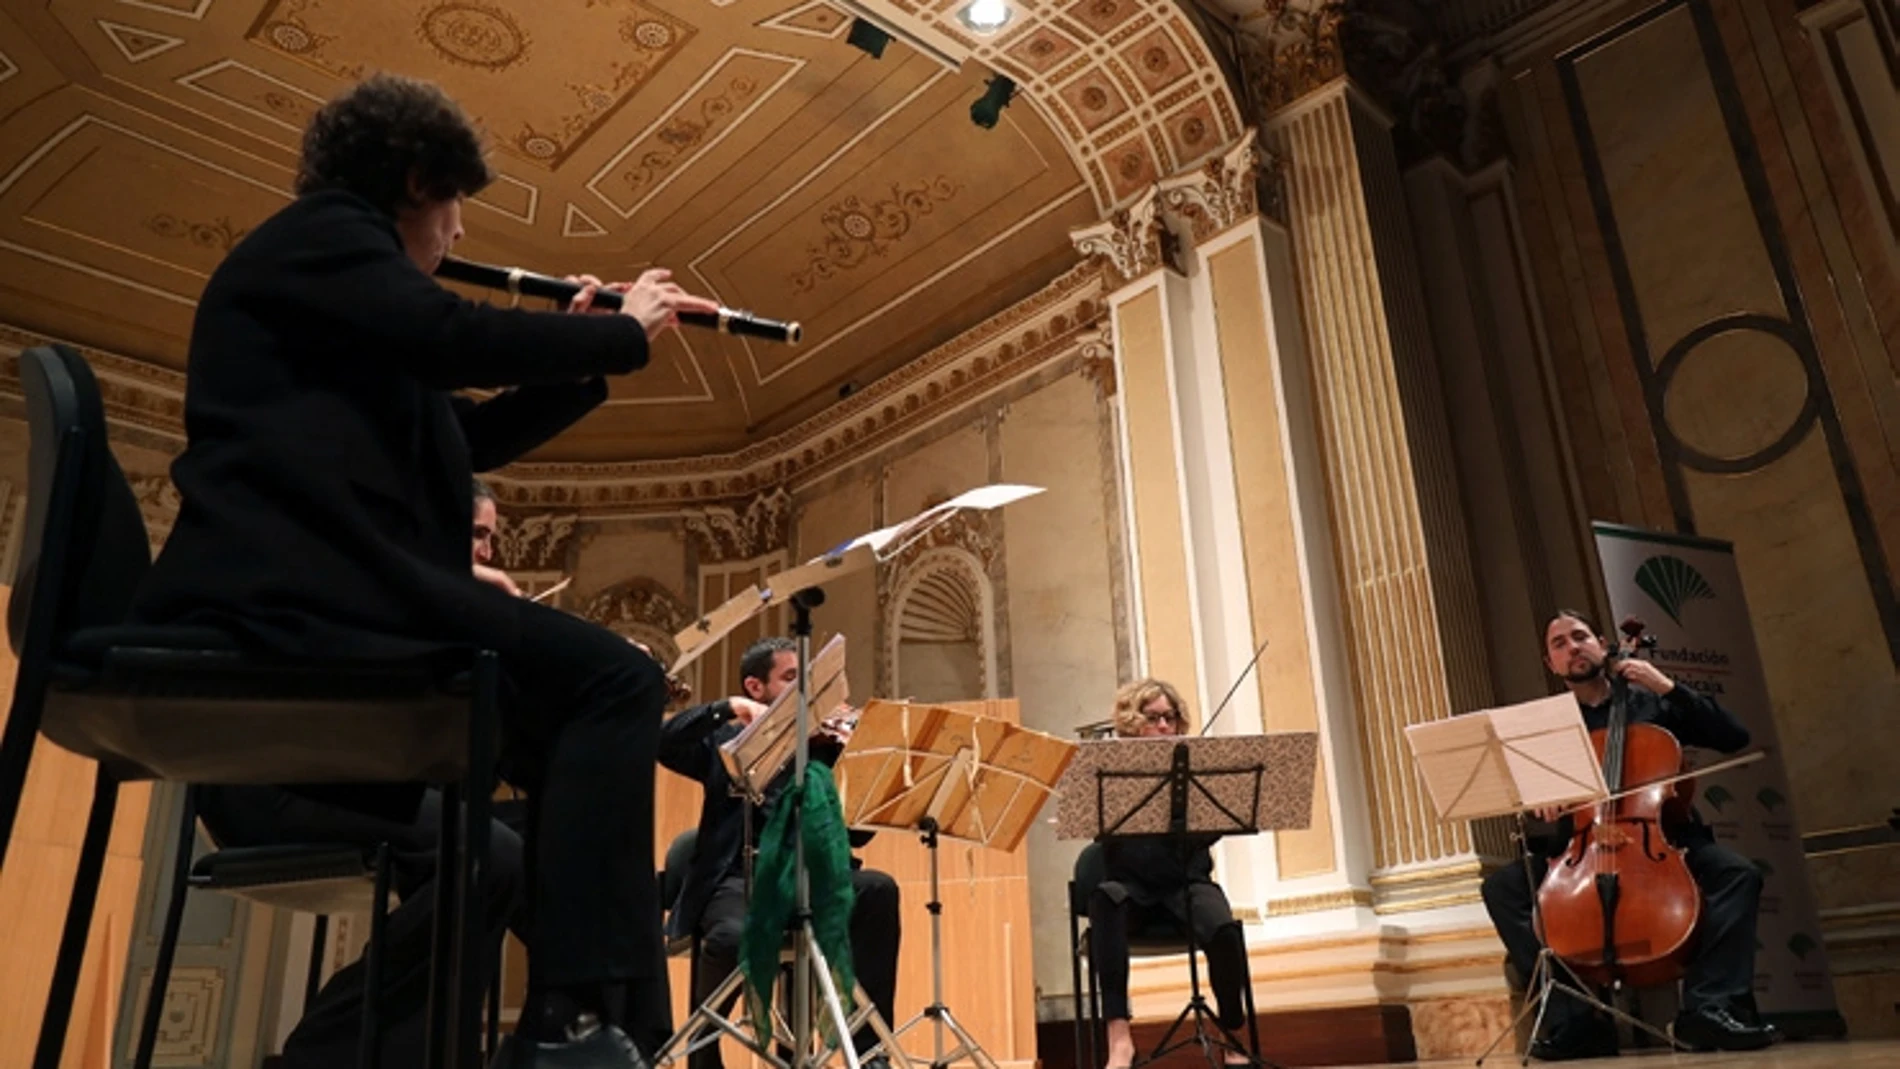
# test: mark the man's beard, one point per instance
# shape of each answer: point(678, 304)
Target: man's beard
point(1586, 674)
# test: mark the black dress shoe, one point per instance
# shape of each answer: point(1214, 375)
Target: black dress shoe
point(1715, 1028)
point(1576, 1043)
point(595, 1047)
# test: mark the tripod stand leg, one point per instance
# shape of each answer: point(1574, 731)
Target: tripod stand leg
point(828, 1004)
point(1576, 989)
point(709, 1025)
point(1534, 996)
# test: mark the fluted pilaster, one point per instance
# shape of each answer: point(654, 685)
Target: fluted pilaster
point(1409, 599)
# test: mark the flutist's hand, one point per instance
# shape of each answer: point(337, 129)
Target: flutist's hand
point(497, 578)
point(656, 301)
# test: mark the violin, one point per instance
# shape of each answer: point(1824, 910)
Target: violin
point(839, 725)
point(1619, 905)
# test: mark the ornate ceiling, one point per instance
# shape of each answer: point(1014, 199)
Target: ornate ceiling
point(743, 144)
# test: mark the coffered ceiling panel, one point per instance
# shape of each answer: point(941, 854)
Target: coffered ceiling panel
point(745, 146)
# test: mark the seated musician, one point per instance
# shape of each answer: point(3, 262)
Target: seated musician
point(251, 816)
point(325, 489)
point(1159, 879)
point(1717, 1000)
point(712, 898)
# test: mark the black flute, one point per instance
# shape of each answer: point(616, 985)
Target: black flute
point(515, 280)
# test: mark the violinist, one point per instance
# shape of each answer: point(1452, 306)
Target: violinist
point(712, 899)
point(1718, 1010)
point(1161, 879)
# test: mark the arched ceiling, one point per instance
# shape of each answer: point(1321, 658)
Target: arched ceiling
point(743, 144)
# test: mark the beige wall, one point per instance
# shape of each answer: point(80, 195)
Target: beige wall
point(1752, 194)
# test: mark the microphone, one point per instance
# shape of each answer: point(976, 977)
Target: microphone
point(516, 280)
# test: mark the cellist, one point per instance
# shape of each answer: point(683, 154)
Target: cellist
point(1717, 1003)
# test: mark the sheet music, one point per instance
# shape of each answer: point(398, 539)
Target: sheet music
point(981, 498)
point(1500, 761)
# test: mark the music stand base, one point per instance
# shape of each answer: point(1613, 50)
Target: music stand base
point(709, 1023)
point(1207, 1034)
point(1544, 981)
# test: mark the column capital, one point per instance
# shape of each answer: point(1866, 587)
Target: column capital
point(1221, 192)
point(1130, 243)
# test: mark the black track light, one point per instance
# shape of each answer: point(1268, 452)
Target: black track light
point(989, 107)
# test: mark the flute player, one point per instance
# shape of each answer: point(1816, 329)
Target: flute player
point(326, 500)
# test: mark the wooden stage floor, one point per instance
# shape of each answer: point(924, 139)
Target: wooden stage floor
point(1859, 1054)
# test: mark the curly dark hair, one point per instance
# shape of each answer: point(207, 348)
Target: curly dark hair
point(372, 138)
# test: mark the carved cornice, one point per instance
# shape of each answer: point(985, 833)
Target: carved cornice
point(1046, 326)
point(759, 527)
point(135, 393)
point(1129, 243)
point(1220, 193)
point(535, 542)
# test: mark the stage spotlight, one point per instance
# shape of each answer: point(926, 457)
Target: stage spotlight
point(867, 38)
point(985, 16)
point(989, 107)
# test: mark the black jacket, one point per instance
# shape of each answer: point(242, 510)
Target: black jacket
point(689, 745)
point(326, 479)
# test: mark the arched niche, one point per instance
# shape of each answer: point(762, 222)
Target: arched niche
point(942, 630)
point(644, 610)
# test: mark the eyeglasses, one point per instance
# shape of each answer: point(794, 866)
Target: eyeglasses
point(1168, 717)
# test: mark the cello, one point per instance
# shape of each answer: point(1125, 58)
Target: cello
point(1619, 904)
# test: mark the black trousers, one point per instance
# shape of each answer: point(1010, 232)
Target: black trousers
point(327, 1034)
point(875, 931)
point(1720, 975)
point(1203, 906)
point(581, 734)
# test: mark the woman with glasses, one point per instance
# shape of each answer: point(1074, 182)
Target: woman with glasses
point(1161, 879)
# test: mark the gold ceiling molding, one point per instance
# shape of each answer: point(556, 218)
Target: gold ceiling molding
point(1129, 243)
point(1061, 320)
point(746, 147)
point(1051, 324)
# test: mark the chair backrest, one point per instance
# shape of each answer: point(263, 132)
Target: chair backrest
point(85, 546)
point(679, 858)
point(1091, 868)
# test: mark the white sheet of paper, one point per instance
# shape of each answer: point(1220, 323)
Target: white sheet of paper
point(982, 498)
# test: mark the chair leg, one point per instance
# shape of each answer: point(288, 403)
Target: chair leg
point(441, 936)
point(369, 1044)
point(16, 754)
point(313, 977)
point(72, 940)
point(478, 803)
point(168, 940)
point(1075, 975)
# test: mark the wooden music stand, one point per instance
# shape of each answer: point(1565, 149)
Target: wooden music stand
point(1209, 785)
point(1508, 762)
point(940, 770)
point(1499, 762)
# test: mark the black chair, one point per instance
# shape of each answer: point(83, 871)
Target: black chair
point(1158, 938)
point(185, 704)
point(324, 879)
point(679, 858)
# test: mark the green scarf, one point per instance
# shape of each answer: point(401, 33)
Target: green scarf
point(774, 896)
